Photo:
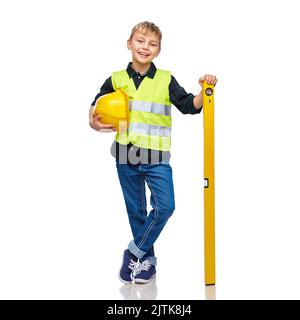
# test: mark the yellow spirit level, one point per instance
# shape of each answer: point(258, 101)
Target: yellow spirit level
point(209, 184)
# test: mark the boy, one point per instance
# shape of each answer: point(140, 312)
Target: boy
point(142, 152)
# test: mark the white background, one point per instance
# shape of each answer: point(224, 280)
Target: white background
point(63, 225)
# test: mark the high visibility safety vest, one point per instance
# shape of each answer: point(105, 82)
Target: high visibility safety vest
point(149, 110)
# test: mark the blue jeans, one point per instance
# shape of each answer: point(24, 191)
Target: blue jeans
point(147, 227)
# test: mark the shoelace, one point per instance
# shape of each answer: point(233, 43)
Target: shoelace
point(138, 267)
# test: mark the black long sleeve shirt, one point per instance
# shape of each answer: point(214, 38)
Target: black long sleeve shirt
point(182, 100)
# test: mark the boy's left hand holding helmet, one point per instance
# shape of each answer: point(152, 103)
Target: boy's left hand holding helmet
point(209, 79)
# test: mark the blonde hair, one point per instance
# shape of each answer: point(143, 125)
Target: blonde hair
point(146, 27)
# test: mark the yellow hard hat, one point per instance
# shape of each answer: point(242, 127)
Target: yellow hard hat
point(114, 109)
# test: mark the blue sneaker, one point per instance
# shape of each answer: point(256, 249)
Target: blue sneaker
point(130, 262)
point(145, 272)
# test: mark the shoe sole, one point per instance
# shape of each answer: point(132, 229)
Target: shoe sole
point(124, 281)
point(138, 280)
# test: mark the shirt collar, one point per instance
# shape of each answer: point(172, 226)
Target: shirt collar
point(150, 73)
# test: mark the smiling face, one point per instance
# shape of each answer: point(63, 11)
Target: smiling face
point(144, 47)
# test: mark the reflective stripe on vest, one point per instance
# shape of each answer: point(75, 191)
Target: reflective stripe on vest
point(150, 110)
point(151, 130)
point(150, 107)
